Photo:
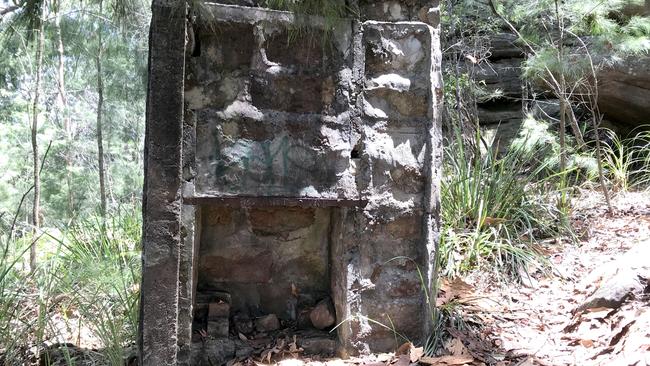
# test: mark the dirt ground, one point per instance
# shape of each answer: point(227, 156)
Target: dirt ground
point(551, 321)
point(580, 310)
point(552, 318)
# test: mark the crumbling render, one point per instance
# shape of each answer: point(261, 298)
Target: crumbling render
point(292, 181)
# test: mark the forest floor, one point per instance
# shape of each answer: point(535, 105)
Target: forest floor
point(593, 309)
point(590, 307)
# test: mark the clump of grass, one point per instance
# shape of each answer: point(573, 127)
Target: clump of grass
point(11, 311)
point(626, 161)
point(102, 278)
point(91, 269)
point(495, 206)
point(643, 159)
point(325, 8)
point(24, 299)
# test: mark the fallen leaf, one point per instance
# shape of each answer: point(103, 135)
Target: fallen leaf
point(598, 313)
point(446, 360)
point(415, 353)
point(472, 59)
point(493, 221)
point(403, 349)
point(456, 347)
point(620, 334)
point(527, 362)
point(587, 343)
point(454, 289)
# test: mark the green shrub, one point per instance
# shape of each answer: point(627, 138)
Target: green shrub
point(93, 267)
point(495, 207)
point(626, 161)
point(102, 277)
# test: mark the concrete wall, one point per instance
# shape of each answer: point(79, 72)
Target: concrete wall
point(307, 159)
point(261, 255)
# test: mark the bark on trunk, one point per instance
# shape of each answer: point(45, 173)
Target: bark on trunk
point(574, 126)
point(100, 106)
point(36, 207)
point(62, 102)
point(562, 135)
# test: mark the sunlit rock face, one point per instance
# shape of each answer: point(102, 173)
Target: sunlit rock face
point(308, 178)
point(625, 91)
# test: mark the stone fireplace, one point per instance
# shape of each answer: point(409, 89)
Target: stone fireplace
point(291, 186)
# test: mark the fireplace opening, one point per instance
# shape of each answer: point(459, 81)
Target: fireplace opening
point(264, 275)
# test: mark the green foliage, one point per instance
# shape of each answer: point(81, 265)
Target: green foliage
point(327, 8)
point(88, 270)
point(627, 160)
point(91, 269)
point(538, 136)
point(70, 170)
point(610, 33)
point(103, 275)
point(494, 208)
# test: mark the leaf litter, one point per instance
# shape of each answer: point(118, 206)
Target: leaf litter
point(539, 322)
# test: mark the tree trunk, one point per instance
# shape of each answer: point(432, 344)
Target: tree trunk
point(100, 106)
point(562, 132)
point(599, 159)
point(62, 102)
point(562, 89)
point(574, 125)
point(36, 208)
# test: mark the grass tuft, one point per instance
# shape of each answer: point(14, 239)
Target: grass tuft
point(88, 278)
point(495, 207)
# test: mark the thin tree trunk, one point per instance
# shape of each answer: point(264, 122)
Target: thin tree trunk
point(599, 159)
point(562, 135)
point(574, 126)
point(562, 91)
point(100, 106)
point(36, 208)
point(62, 102)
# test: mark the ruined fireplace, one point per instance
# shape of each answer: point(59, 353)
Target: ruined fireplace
point(291, 184)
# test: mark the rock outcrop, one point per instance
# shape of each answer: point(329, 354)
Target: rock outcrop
point(625, 92)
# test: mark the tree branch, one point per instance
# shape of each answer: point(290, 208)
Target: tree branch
point(13, 224)
point(512, 27)
point(8, 10)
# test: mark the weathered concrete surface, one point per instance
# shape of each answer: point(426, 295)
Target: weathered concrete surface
point(162, 192)
point(258, 254)
point(310, 171)
point(382, 245)
point(275, 112)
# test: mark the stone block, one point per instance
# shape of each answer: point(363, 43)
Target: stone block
point(322, 346)
point(212, 352)
point(218, 310)
point(218, 328)
point(267, 323)
point(323, 315)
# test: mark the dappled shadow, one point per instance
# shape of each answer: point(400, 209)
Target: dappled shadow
point(64, 354)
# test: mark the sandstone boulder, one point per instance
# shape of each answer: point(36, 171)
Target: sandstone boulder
point(624, 93)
